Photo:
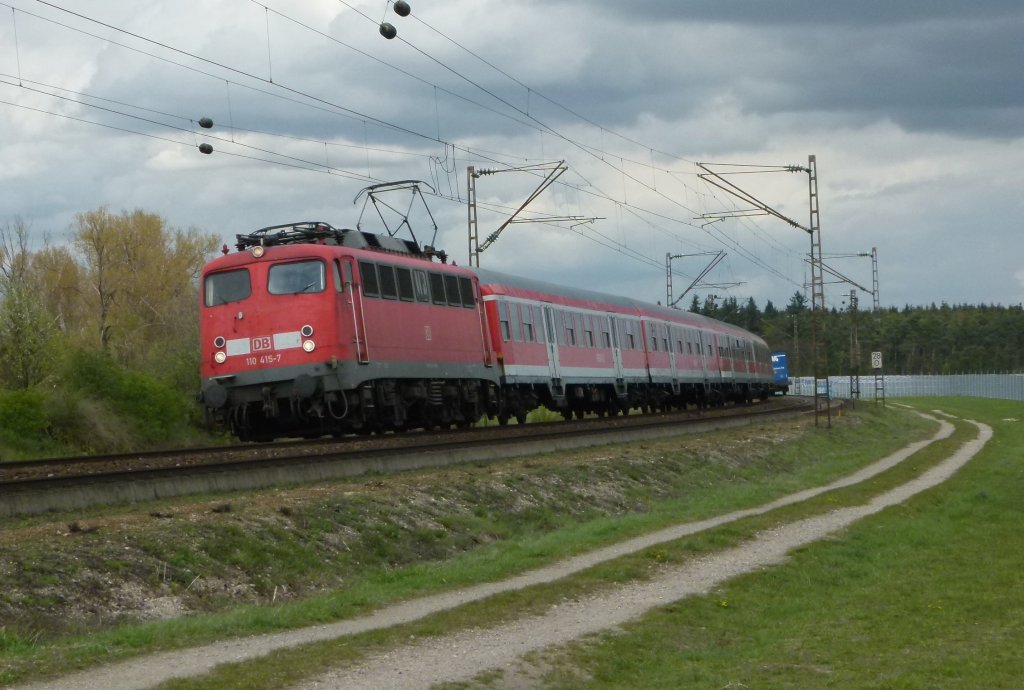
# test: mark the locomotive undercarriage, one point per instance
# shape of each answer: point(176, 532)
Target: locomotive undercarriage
point(373, 407)
point(396, 405)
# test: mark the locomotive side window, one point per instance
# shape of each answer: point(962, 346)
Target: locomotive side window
point(451, 286)
point(388, 284)
point(466, 288)
point(405, 290)
point(296, 278)
point(368, 274)
point(437, 288)
point(336, 271)
point(226, 286)
point(421, 285)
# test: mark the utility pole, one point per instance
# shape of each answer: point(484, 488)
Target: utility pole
point(879, 371)
point(476, 248)
point(854, 351)
point(819, 363)
point(669, 301)
point(822, 394)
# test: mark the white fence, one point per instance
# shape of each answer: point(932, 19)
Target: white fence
point(999, 386)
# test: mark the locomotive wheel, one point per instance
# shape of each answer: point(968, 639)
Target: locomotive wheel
point(521, 418)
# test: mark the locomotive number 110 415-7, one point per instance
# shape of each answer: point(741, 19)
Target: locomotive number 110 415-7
point(262, 359)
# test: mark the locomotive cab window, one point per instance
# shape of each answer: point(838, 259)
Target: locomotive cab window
point(296, 278)
point(226, 286)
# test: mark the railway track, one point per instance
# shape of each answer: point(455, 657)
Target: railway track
point(61, 484)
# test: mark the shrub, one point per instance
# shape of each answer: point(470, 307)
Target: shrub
point(23, 413)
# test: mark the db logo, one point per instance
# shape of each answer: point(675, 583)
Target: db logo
point(262, 342)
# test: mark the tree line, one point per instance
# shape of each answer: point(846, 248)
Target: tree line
point(933, 339)
point(126, 285)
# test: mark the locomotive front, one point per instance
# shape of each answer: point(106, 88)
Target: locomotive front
point(269, 339)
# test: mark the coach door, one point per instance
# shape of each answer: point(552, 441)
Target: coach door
point(554, 369)
point(707, 349)
point(620, 383)
point(673, 338)
point(357, 314)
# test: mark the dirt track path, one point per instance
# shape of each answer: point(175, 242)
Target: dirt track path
point(462, 655)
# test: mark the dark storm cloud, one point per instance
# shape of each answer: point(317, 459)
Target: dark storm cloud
point(934, 66)
point(810, 12)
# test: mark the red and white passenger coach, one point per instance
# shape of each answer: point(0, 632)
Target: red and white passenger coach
point(310, 330)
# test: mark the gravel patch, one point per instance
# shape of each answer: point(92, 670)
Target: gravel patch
point(461, 656)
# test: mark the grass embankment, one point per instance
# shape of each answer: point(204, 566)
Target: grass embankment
point(433, 531)
point(925, 595)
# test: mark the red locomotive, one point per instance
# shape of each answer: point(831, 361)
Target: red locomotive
point(310, 330)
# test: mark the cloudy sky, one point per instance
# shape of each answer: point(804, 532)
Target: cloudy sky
point(913, 109)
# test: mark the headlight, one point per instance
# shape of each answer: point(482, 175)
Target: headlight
point(308, 345)
point(219, 342)
point(220, 357)
point(257, 251)
point(306, 331)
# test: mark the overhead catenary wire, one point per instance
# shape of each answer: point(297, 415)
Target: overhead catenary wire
point(335, 108)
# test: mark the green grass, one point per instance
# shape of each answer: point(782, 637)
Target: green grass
point(925, 595)
point(898, 601)
point(696, 490)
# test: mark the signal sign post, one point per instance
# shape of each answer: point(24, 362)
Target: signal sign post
point(876, 365)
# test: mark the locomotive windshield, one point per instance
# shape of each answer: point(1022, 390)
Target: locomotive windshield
point(226, 286)
point(296, 277)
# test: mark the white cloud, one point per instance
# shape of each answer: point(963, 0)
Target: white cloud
point(905, 165)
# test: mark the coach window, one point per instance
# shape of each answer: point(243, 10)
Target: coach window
point(296, 277)
point(513, 318)
point(466, 288)
point(528, 335)
point(368, 274)
point(388, 284)
point(226, 286)
point(588, 325)
point(559, 327)
point(628, 341)
point(506, 332)
point(570, 330)
point(405, 291)
point(437, 288)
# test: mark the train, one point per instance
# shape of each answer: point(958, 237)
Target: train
point(309, 330)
